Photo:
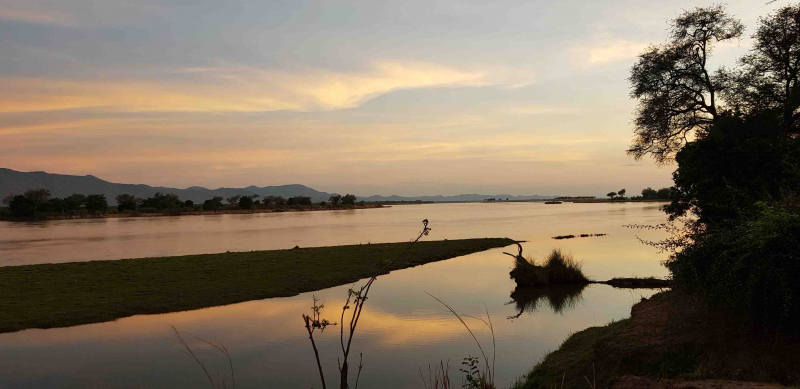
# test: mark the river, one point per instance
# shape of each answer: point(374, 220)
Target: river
point(403, 329)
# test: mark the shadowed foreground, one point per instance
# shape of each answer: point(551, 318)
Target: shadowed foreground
point(60, 295)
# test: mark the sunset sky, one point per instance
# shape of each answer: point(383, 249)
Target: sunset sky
point(366, 97)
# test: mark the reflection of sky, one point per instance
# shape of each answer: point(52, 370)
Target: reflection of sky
point(412, 97)
point(402, 329)
point(618, 254)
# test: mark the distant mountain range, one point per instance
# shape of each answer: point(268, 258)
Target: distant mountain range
point(62, 185)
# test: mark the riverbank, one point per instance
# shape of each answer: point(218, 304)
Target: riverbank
point(185, 212)
point(670, 341)
point(67, 294)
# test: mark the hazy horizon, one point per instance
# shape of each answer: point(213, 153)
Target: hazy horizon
point(418, 98)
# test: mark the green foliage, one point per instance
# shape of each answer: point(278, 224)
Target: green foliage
point(751, 267)
point(58, 295)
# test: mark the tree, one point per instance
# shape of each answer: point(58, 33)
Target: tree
point(233, 200)
point(39, 197)
point(303, 200)
point(621, 193)
point(335, 199)
point(769, 79)
point(677, 92)
point(96, 203)
point(126, 202)
point(22, 206)
point(649, 193)
point(213, 204)
point(279, 201)
point(245, 202)
point(56, 204)
point(611, 194)
point(74, 202)
point(664, 193)
point(188, 204)
point(349, 199)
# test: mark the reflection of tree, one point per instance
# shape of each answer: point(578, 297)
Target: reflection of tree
point(559, 298)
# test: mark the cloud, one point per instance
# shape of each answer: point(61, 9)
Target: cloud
point(37, 15)
point(608, 51)
point(249, 89)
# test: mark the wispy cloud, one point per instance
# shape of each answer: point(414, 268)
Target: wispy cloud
point(249, 89)
point(604, 52)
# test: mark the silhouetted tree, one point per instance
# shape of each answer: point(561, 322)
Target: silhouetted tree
point(22, 206)
point(126, 202)
point(246, 202)
point(213, 204)
point(769, 78)
point(349, 199)
point(96, 203)
point(233, 200)
point(188, 204)
point(649, 193)
point(611, 194)
point(677, 92)
point(621, 193)
point(335, 199)
point(664, 193)
point(74, 202)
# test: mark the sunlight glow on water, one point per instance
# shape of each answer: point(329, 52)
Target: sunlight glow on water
point(402, 329)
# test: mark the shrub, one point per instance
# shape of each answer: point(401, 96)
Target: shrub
point(557, 268)
point(564, 268)
point(751, 267)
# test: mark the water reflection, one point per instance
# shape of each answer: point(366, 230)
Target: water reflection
point(402, 329)
point(559, 298)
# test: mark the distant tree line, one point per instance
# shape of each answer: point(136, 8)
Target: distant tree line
point(40, 201)
point(35, 202)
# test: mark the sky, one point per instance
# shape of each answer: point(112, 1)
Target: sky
point(368, 97)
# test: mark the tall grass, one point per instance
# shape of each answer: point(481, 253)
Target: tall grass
point(564, 268)
point(557, 268)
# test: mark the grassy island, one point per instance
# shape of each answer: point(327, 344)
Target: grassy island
point(60, 295)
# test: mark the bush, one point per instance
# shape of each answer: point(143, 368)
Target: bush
point(558, 268)
point(751, 267)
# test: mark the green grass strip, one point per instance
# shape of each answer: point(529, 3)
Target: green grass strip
point(67, 294)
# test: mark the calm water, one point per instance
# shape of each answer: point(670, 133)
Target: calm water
point(402, 329)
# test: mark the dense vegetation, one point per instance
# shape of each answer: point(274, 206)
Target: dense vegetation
point(57, 295)
point(734, 209)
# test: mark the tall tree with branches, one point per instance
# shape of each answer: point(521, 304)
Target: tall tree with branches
point(677, 92)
